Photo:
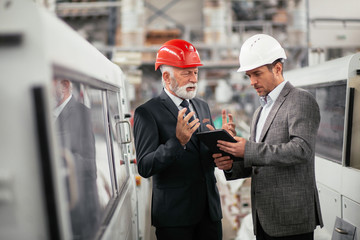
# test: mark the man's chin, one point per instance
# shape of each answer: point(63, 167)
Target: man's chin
point(188, 95)
point(186, 92)
point(191, 94)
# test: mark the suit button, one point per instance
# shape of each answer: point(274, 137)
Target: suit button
point(256, 170)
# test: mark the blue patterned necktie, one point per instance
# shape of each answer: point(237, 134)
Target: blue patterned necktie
point(185, 104)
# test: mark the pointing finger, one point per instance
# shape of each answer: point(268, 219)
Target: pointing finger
point(230, 118)
point(224, 116)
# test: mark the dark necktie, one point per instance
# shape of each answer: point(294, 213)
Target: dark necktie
point(185, 104)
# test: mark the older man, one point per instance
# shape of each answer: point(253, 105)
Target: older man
point(185, 200)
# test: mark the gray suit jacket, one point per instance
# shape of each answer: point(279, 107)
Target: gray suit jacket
point(283, 189)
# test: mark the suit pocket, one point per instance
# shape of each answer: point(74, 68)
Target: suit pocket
point(291, 207)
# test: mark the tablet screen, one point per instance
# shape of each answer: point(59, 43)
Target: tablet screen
point(210, 138)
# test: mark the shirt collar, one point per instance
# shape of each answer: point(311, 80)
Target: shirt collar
point(59, 108)
point(273, 95)
point(174, 98)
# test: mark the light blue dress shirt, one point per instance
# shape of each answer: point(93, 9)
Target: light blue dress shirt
point(267, 102)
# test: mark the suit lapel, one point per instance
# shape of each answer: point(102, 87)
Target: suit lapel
point(279, 101)
point(169, 104)
point(198, 113)
point(66, 111)
point(254, 123)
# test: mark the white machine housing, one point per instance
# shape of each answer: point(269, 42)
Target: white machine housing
point(35, 46)
point(336, 86)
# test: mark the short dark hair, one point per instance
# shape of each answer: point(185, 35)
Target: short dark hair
point(272, 65)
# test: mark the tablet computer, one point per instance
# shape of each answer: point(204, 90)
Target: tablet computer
point(210, 138)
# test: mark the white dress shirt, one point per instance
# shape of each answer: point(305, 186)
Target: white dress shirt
point(177, 101)
point(59, 108)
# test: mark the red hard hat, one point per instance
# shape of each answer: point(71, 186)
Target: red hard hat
point(178, 53)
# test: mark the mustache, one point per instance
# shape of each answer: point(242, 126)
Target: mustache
point(190, 85)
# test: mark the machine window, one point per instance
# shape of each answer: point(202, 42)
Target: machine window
point(331, 100)
point(81, 132)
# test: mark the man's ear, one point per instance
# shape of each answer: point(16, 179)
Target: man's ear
point(277, 68)
point(166, 77)
point(65, 83)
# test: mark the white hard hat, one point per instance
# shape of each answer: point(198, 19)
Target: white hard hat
point(259, 50)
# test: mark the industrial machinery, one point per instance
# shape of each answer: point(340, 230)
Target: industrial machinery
point(62, 176)
point(336, 87)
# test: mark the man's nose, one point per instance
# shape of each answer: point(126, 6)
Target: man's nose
point(193, 78)
point(253, 81)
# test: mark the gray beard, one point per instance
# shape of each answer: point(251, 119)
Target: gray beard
point(181, 91)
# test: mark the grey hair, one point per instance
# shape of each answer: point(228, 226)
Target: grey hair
point(166, 68)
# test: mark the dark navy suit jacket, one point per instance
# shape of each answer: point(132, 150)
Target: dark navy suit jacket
point(184, 184)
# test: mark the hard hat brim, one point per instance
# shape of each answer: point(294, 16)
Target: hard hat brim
point(157, 66)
